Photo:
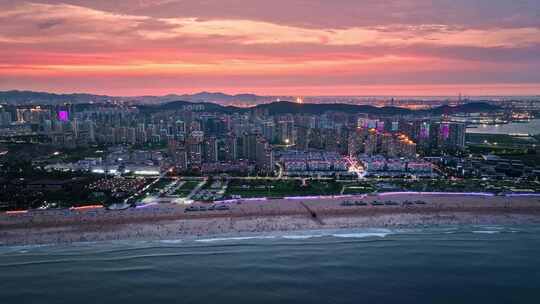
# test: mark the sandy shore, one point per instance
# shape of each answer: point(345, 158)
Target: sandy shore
point(169, 222)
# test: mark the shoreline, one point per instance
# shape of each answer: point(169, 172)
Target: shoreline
point(171, 222)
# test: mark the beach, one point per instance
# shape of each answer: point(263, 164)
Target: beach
point(172, 222)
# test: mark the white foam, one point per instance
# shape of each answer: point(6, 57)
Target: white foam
point(486, 231)
point(380, 233)
point(239, 238)
point(361, 235)
point(171, 241)
point(301, 236)
point(353, 234)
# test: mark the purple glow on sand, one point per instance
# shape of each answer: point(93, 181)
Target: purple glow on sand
point(317, 197)
point(301, 197)
point(343, 196)
point(232, 201)
point(523, 194)
point(146, 206)
point(227, 201)
point(254, 199)
point(438, 193)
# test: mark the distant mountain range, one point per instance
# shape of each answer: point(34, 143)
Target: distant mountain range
point(246, 99)
point(220, 102)
point(286, 107)
point(30, 97)
point(16, 97)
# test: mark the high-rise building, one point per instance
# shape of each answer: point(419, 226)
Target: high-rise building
point(269, 130)
point(355, 143)
point(180, 128)
point(264, 156)
point(452, 135)
point(5, 117)
point(230, 148)
point(303, 138)
point(286, 131)
point(194, 153)
point(421, 133)
point(371, 143)
point(405, 147)
point(388, 145)
point(249, 144)
point(179, 155)
point(210, 150)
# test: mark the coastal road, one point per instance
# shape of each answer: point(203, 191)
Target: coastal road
point(162, 175)
point(280, 172)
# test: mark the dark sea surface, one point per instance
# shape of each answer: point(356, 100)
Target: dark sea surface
point(531, 127)
point(473, 264)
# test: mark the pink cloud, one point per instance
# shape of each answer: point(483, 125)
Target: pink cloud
point(122, 46)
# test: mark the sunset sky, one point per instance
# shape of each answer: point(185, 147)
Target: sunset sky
point(273, 47)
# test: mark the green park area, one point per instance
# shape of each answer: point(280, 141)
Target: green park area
point(281, 188)
point(159, 186)
point(465, 185)
point(523, 148)
point(186, 188)
point(501, 139)
point(358, 188)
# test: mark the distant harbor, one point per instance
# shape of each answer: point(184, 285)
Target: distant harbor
point(521, 128)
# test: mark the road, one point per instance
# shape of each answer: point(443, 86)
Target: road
point(355, 167)
point(196, 189)
point(147, 186)
point(280, 172)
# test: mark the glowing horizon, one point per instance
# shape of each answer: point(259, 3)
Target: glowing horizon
point(343, 48)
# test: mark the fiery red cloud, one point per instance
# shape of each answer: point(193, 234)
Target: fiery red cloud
point(277, 47)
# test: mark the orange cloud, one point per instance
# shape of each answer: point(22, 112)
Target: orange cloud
point(71, 43)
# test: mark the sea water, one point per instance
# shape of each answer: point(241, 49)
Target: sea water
point(531, 127)
point(467, 264)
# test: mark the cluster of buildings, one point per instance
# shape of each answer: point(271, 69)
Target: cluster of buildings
point(375, 142)
point(226, 152)
point(297, 162)
point(115, 161)
point(199, 139)
point(379, 166)
point(5, 117)
point(438, 136)
point(401, 137)
point(489, 166)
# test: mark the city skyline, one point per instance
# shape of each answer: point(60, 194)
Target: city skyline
point(285, 151)
point(290, 48)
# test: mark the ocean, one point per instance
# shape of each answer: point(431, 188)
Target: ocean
point(469, 264)
point(531, 127)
